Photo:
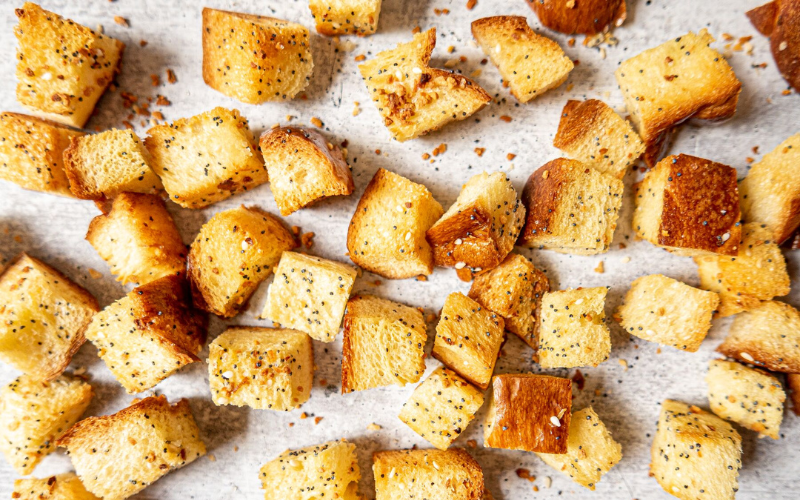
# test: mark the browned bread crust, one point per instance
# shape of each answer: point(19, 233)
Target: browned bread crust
point(582, 16)
point(780, 21)
point(793, 383)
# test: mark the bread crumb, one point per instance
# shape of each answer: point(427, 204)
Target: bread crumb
point(626, 259)
point(624, 364)
point(440, 149)
point(472, 443)
point(525, 474)
point(95, 274)
point(480, 151)
point(374, 427)
point(451, 49)
point(162, 101)
point(212, 457)
point(323, 382)
point(154, 80)
point(510, 156)
point(121, 21)
point(317, 420)
point(303, 416)
point(601, 268)
point(307, 239)
point(360, 57)
point(415, 30)
point(471, 4)
point(505, 118)
point(316, 122)
point(142, 43)
point(422, 277)
point(291, 424)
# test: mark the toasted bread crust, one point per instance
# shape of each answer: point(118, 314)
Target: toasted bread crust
point(793, 383)
point(586, 17)
point(477, 246)
point(780, 21)
point(763, 17)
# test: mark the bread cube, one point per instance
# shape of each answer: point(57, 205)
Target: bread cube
point(42, 318)
point(206, 158)
point(756, 273)
point(440, 474)
point(529, 412)
point(591, 132)
point(480, 228)
point(572, 330)
point(591, 451)
point(119, 455)
point(66, 486)
point(587, 17)
point(232, 255)
point(770, 194)
point(310, 294)
point(138, 239)
point(329, 470)
point(689, 206)
point(531, 64)
point(383, 344)
point(387, 232)
point(779, 20)
point(695, 454)
point(468, 339)
point(33, 414)
point(514, 290)
point(680, 79)
point(767, 336)
point(441, 407)
point(346, 17)
point(63, 68)
point(668, 312)
point(303, 167)
point(793, 383)
point(572, 208)
point(31, 153)
point(255, 59)
point(413, 98)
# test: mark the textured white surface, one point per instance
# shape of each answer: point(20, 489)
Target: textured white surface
point(53, 228)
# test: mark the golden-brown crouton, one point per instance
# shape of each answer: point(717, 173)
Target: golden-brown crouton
point(263, 368)
point(383, 344)
point(793, 384)
point(695, 454)
point(531, 64)
point(441, 407)
point(756, 273)
point(666, 311)
point(232, 255)
point(63, 68)
point(303, 167)
point(42, 318)
point(33, 414)
point(412, 97)
point(779, 20)
point(118, 455)
point(255, 59)
point(328, 470)
point(440, 474)
point(67, 486)
point(689, 206)
point(572, 330)
point(480, 228)
point(572, 208)
point(206, 158)
point(149, 334)
point(346, 17)
point(680, 79)
point(585, 16)
point(387, 232)
point(529, 412)
point(31, 153)
point(468, 339)
point(138, 239)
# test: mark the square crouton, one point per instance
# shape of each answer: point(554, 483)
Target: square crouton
point(767, 335)
point(413, 98)
point(206, 158)
point(118, 455)
point(31, 152)
point(468, 339)
point(138, 239)
point(149, 334)
point(440, 474)
point(689, 206)
point(793, 384)
point(588, 18)
point(591, 132)
point(756, 273)
point(309, 294)
point(263, 368)
point(255, 59)
point(531, 64)
point(346, 17)
point(695, 454)
point(680, 79)
point(571, 207)
point(232, 255)
point(591, 451)
point(329, 470)
point(67, 486)
point(748, 396)
point(383, 344)
point(387, 232)
point(303, 167)
point(100, 166)
point(771, 191)
point(33, 414)
point(529, 412)
point(668, 312)
point(63, 68)
point(441, 407)
point(572, 330)
point(514, 290)
point(480, 228)
point(42, 318)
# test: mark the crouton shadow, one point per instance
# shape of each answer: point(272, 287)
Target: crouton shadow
point(218, 424)
point(328, 57)
point(401, 16)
